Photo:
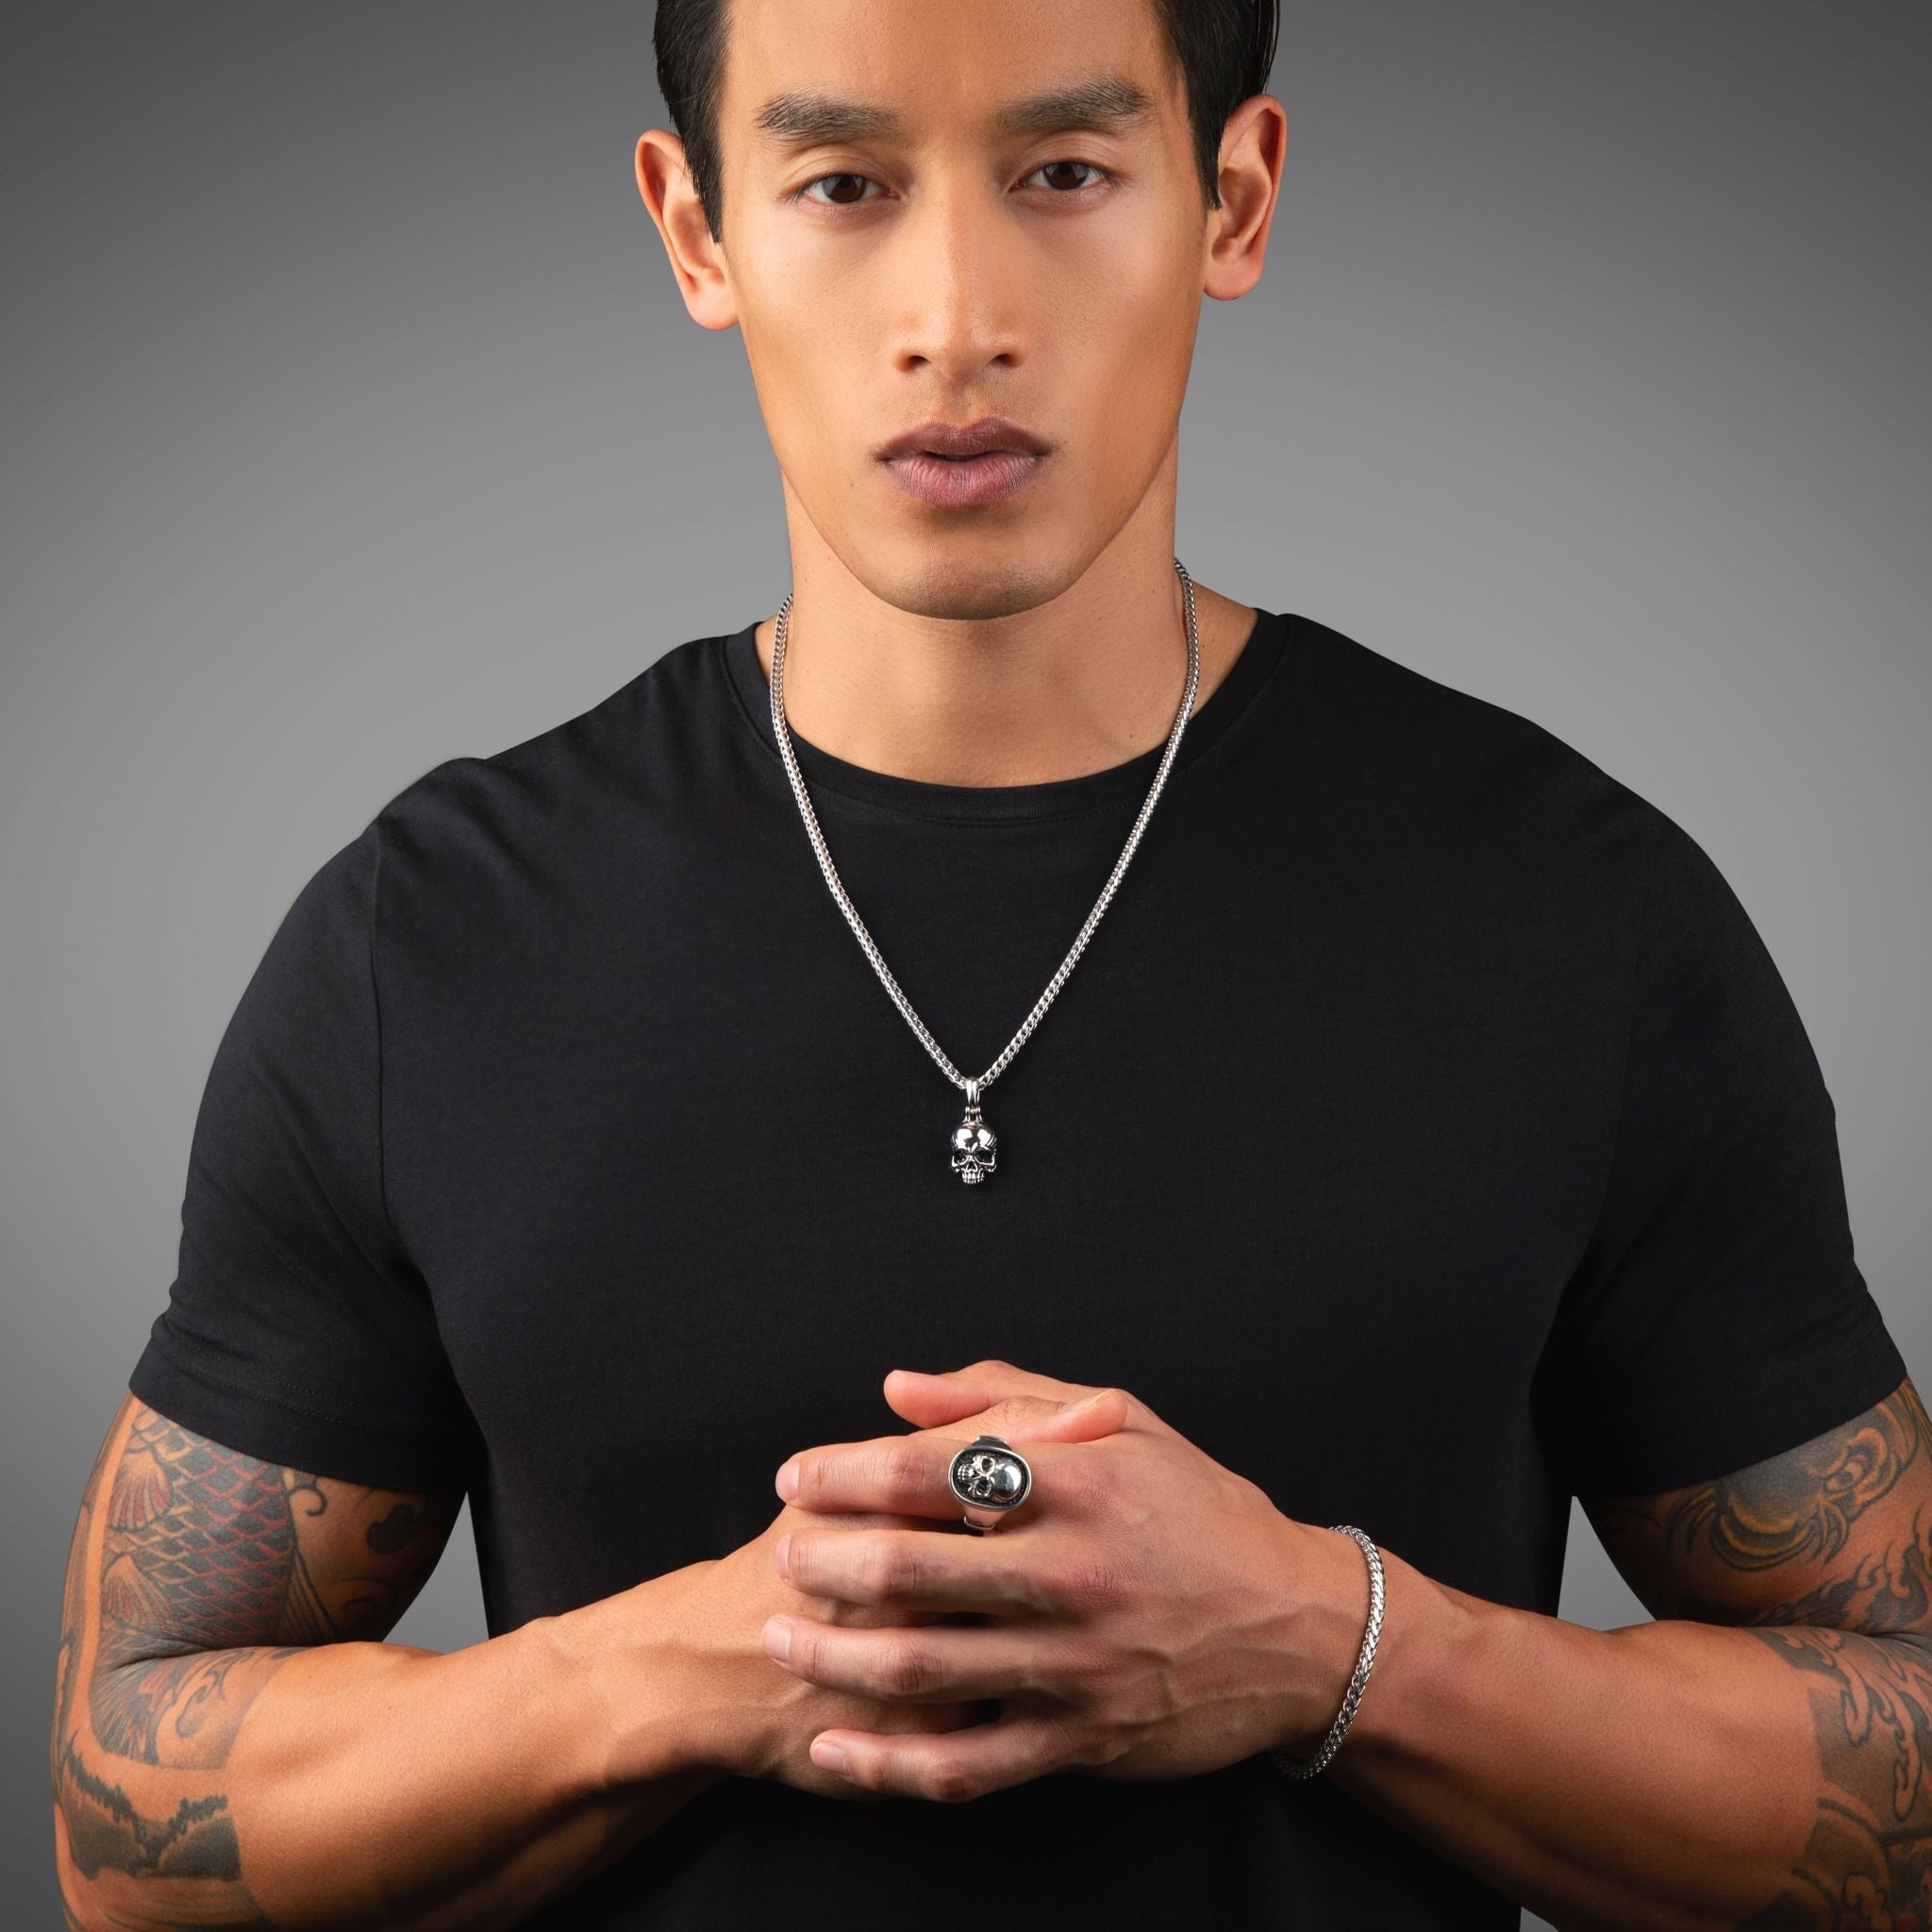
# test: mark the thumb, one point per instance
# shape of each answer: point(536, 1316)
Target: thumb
point(1098, 1414)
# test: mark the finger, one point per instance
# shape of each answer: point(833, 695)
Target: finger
point(907, 1475)
point(952, 1766)
point(1028, 1418)
point(1091, 1417)
point(970, 1392)
point(911, 1663)
point(939, 1397)
point(912, 1570)
point(900, 1476)
point(929, 1402)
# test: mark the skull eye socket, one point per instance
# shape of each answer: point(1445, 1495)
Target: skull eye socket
point(974, 1149)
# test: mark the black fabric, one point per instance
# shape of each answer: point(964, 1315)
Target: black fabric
point(1425, 1132)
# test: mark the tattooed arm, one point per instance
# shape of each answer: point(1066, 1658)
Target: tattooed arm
point(1823, 1557)
point(1755, 1759)
point(371, 1783)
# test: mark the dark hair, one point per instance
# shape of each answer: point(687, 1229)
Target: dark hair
point(1224, 49)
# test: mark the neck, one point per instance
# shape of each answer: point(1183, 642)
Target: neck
point(1087, 680)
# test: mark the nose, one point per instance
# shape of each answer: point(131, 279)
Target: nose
point(961, 267)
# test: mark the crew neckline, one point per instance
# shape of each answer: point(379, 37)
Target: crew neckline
point(1262, 652)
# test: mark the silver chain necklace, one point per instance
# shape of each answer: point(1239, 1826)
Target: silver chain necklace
point(974, 1146)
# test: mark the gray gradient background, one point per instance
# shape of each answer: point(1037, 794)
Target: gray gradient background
point(352, 422)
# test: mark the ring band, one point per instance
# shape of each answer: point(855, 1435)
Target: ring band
point(989, 1474)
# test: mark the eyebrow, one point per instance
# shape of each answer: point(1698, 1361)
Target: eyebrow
point(1105, 105)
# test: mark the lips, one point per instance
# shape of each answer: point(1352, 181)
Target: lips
point(965, 482)
point(942, 439)
point(964, 466)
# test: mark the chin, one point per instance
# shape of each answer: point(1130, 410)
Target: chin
point(995, 580)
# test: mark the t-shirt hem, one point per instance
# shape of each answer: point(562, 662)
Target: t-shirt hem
point(279, 1429)
point(1831, 1394)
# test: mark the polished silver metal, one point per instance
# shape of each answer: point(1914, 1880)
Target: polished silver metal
point(972, 1147)
point(975, 1146)
point(1286, 1760)
point(989, 1473)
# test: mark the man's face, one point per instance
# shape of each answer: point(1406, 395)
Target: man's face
point(959, 267)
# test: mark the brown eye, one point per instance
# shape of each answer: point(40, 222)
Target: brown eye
point(842, 200)
point(1060, 185)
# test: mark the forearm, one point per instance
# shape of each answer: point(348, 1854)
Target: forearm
point(382, 1785)
point(1671, 1774)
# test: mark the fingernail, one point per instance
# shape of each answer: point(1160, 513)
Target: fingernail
point(785, 1557)
point(788, 1480)
point(777, 1634)
point(829, 1758)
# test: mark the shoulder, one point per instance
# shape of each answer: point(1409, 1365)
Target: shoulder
point(561, 782)
point(1412, 725)
point(1445, 778)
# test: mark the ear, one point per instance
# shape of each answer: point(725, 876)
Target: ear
point(697, 259)
point(1253, 146)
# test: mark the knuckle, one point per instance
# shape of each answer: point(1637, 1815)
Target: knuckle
point(1066, 1745)
point(1054, 1672)
point(908, 1671)
point(949, 1783)
point(1027, 1585)
point(1097, 1746)
point(888, 1569)
point(903, 1472)
point(1010, 1410)
point(1088, 1582)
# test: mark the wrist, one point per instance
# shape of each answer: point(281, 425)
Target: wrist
point(1329, 1590)
point(1427, 1634)
point(646, 1701)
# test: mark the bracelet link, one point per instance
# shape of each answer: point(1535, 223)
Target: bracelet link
point(1285, 1760)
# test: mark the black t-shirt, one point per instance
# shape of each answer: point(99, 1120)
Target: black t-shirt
point(1425, 1132)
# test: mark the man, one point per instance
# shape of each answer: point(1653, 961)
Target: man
point(1422, 1136)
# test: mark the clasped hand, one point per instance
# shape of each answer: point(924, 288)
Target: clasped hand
point(1147, 1613)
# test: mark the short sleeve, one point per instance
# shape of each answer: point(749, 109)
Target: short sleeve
point(297, 1329)
point(1717, 1315)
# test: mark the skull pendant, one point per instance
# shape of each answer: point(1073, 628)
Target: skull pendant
point(974, 1145)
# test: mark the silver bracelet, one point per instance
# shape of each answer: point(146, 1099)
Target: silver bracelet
point(1293, 1766)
